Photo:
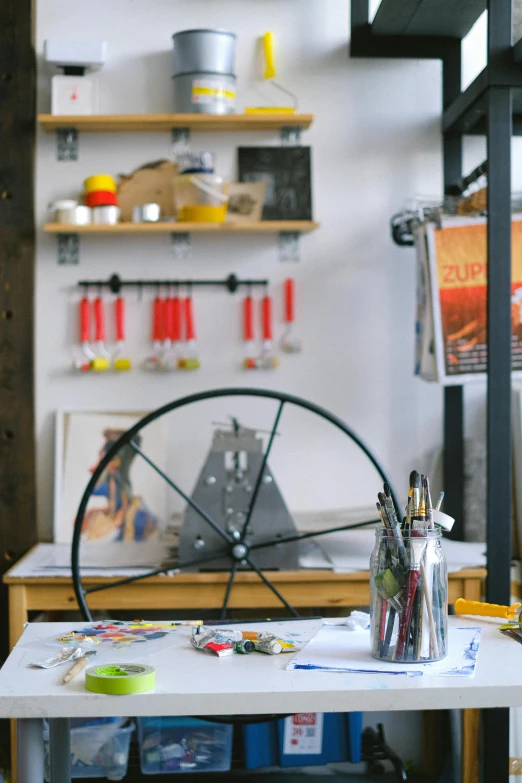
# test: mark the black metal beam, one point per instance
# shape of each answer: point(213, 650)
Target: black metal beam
point(427, 17)
point(463, 113)
point(498, 417)
point(517, 51)
point(499, 344)
point(453, 395)
point(467, 113)
point(365, 43)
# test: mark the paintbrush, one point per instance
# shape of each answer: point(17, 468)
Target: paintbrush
point(439, 502)
point(407, 521)
point(80, 664)
point(380, 511)
point(418, 545)
point(415, 484)
point(427, 501)
point(390, 513)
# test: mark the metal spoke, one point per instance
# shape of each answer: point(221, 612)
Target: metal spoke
point(197, 508)
point(272, 587)
point(157, 571)
point(304, 536)
point(233, 571)
point(261, 472)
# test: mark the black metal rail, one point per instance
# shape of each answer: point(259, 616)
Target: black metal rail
point(115, 283)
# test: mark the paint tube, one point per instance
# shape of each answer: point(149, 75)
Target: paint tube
point(286, 645)
point(65, 655)
point(225, 633)
point(270, 647)
point(213, 641)
point(245, 646)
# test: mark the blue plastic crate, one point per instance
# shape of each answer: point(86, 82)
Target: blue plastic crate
point(175, 745)
point(99, 749)
point(304, 740)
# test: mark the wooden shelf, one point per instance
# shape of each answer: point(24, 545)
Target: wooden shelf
point(124, 123)
point(262, 227)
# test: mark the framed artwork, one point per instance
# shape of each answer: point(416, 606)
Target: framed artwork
point(129, 502)
point(287, 174)
point(245, 201)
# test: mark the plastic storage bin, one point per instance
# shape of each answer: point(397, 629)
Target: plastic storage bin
point(98, 750)
point(304, 740)
point(200, 197)
point(173, 745)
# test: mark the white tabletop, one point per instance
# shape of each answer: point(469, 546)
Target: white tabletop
point(190, 682)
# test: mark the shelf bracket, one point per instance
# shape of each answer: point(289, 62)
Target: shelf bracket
point(181, 246)
point(66, 144)
point(68, 249)
point(180, 142)
point(289, 246)
point(290, 135)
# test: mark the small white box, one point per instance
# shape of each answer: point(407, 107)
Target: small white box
point(86, 54)
point(74, 95)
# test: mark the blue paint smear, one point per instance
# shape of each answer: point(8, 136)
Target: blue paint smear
point(470, 654)
point(311, 667)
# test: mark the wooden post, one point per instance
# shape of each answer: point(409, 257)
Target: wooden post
point(17, 136)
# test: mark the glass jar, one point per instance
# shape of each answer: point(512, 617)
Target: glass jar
point(409, 596)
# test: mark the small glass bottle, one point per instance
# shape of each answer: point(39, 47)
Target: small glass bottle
point(409, 596)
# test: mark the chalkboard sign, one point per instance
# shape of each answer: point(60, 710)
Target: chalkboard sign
point(287, 173)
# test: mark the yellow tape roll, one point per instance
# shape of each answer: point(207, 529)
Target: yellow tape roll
point(120, 679)
point(100, 182)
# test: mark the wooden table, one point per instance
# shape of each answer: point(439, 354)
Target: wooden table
point(302, 589)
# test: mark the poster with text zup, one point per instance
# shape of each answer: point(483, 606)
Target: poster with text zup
point(458, 271)
point(128, 502)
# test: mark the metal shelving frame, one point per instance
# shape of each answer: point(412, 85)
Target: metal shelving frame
point(491, 105)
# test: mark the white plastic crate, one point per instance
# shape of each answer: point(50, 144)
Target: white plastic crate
point(97, 751)
point(175, 745)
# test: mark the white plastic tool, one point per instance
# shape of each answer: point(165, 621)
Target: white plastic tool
point(290, 343)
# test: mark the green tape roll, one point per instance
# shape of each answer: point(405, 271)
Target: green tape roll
point(119, 679)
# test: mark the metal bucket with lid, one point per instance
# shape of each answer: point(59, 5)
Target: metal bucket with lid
point(204, 93)
point(209, 51)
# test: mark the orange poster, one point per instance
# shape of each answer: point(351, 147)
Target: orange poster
point(458, 264)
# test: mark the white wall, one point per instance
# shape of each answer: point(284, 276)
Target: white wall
point(375, 141)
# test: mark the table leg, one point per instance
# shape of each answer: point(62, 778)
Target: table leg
point(30, 750)
point(18, 614)
point(473, 589)
point(470, 745)
point(18, 617)
point(60, 750)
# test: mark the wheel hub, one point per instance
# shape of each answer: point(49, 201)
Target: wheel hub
point(239, 552)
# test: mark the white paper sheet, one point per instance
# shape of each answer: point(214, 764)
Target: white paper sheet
point(350, 551)
point(96, 559)
point(335, 648)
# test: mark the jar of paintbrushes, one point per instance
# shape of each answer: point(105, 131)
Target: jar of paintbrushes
point(409, 579)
